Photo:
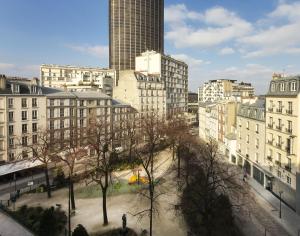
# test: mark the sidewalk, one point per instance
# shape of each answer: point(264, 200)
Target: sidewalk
point(289, 220)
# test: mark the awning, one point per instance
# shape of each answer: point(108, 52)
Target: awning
point(18, 166)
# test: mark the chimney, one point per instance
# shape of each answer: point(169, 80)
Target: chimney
point(2, 82)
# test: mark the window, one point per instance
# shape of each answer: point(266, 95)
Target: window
point(34, 139)
point(11, 156)
point(256, 157)
point(11, 142)
point(51, 102)
point(278, 159)
point(11, 130)
point(34, 102)
point(257, 143)
point(34, 114)
point(62, 112)
point(289, 180)
point(273, 87)
point(279, 174)
point(290, 127)
point(247, 126)
point(290, 108)
point(24, 141)
point(81, 103)
point(289, 164)
point(24, 115)
point(279, 106)
point(293, 86)
point(282, 87)
point(51, 124)
point(62, 102)
point(24, 102)
point(10, 116)
point(51, 113)
point(34, 127)
point(247, 138)
point(10, 103)
point(24, 128)
point(257, 128)
point(81, 112)
point(81, 123)
point(62, 124)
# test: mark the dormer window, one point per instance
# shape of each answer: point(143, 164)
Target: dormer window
point(282, 86)
point(15, 88)
point(33, 89)
point(293, 86)
point(273, 87)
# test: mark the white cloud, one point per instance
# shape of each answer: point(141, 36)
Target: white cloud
point(221, 26)
point(191, 61)
point(226, 51)
point(99, 51)
point(6, 66)
point(278, 33)
point(19, 70)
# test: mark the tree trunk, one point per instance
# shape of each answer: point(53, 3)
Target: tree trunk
point(47, 182)
point(151, 207)
point(178, 162)
point(72, 194)
point(104, 195)
point(173, 151)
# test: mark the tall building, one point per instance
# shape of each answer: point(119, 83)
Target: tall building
point(282, 135)
point(134, 27)
point(78, 78)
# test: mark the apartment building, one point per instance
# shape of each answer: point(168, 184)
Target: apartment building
point(282, 135)
point(224, 89)
point(75, 78)
point(226, 120)
point(70, 113)
point(22, 115)
point(208, 121)
point(251, 139)
point(145, 93)
point(173, 73)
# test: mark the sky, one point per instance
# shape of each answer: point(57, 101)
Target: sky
point(219, 39)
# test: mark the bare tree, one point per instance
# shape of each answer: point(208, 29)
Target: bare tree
point(215, 190)
point(71, 154)
point(179, 138)
point(42, 150)
point(152, 132)
point(101, 160)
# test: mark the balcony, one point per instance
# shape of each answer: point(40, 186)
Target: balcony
point(269, 158)
point(288, 168)
point(289, 112)
point(278, 163)
point(270, 126)
point(247, 156)
point(279, 145)
point(279, 110)
point(279, 127)
point(289, 130)
point(270, 109)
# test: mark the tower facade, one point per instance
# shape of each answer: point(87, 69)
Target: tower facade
point(134, 27)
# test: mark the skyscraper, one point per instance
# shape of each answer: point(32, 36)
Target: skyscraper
point(134, 27)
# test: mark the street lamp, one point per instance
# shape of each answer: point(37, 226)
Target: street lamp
point(280, 193)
